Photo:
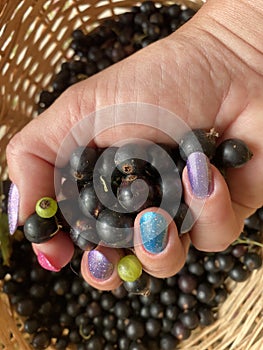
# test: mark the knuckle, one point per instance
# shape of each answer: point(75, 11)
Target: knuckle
point(14, 147)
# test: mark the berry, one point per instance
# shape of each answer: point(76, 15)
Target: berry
point(180, 331)
point(239, 273)
point(136, 193)
point(189, 319)
point(171, 312)
point(221, 295)
point(198, 140)
point(205, 292)
point(225, 262)
point(168, 296)
point(115, 229)
point(105, 165)
point(187, 14)
point(41, 340)
point(135, 329)
point(31, 325)
point(46, 207)
point(253, 221)
point(129, 268)
point(232, 153)
point(83, 233)
point(147, 7)
point(89, 203)
point(206, 316)
point(187, 283)
point(139, 286)
point(25, 307)
point(252, 261)
point(153, 327)
point(239, 250)
point(82, 162)
point(168, 342)
point(131, 159)
point(39, 230)
point(186, 301)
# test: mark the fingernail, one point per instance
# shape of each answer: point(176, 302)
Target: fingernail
point(153, 228)
point(199, 174)
point(99, 266)
point(45, 263)
point(12, 208)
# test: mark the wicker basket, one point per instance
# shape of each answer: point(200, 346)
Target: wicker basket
point(34, 38)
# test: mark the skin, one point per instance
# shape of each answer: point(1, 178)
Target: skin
point(210, 73)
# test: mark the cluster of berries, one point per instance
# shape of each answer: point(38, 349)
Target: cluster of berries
point(113, 40)
point(104, 190)
point(63, 310)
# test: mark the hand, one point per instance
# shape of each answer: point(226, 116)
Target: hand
point(207, 74)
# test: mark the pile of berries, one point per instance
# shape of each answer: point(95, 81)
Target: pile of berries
point(113, 40)
point(62, 309)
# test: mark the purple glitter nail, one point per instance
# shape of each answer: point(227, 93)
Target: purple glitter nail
point(12, 208)
point(99, 266)
point(199, 174)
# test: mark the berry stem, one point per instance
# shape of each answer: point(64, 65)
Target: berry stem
point(248, 242)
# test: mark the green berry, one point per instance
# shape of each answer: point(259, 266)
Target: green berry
point(129, 268)
point(46, 207)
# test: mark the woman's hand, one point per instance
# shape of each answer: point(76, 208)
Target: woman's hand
point(209, 73)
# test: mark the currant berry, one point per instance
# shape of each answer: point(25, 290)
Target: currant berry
point(205, 292)
point(83, 233)
point(131, 158)
point(189, 319)
point(198, 140)
point(82, 162)
point(239, 272)
point(160, 158)
point(253, 222)
point(206, 316)
point(140, 286)
point(38, 230)
point(89, 203)
point(232, 153)
point(186, 301)
point(115, 229)
point(187, 283)
point(105, 165)
point(180, 331)
point(46, 207)
point(137, 193)
point(129, 268)
point(252, 261)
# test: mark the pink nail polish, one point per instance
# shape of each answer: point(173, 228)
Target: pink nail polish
point(45, 263)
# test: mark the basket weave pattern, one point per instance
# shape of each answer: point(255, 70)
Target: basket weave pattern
point(34, 39)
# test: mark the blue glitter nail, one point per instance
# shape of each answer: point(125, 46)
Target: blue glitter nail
point(99, 266)
point(153, 232)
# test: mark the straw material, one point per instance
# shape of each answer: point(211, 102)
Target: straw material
point(34, 39)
